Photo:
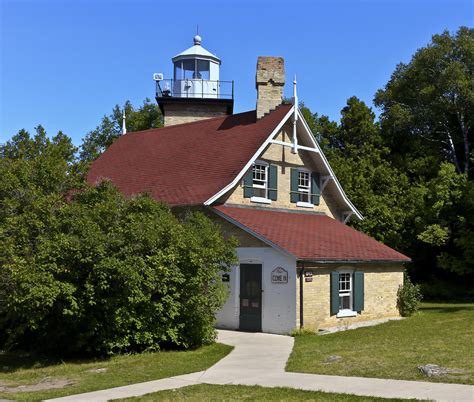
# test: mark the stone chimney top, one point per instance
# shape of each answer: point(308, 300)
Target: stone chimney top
point(269, 81)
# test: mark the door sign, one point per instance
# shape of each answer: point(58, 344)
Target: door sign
point(279, 275)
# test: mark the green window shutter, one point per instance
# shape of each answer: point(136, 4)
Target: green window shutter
point(294, 195)
point(358, 291)
point(272, 182)
point(334, 293)
point(315, 193)
point(248, 184)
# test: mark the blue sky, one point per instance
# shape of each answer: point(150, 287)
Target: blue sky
point(64, 64)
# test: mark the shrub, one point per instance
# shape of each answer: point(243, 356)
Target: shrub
point(408, 297)
point(301, 331)
point(102, 274)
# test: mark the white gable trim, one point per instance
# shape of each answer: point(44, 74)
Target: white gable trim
point(329, 168)
point(234, 182)
point(315, 148)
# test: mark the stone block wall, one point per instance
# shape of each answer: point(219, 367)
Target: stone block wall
point(381, 283)
point(187, 113)
point(269, 81)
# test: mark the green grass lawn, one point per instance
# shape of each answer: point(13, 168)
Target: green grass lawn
point(17, 369)
point(205, 392)
point(441, 334)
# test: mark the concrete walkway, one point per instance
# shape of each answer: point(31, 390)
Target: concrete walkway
point(260, 359)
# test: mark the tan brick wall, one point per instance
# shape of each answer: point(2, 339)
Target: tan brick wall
point(380, 295)
point(181, 113)
point(285, 160)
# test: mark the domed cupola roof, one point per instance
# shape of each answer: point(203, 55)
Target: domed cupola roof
point(196, 51)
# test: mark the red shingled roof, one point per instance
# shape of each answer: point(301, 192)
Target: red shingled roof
point(311, 237)
point(185, 164)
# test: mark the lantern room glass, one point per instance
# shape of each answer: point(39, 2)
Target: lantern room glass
point(192, 69)
point(202, 69)
point(189, 69)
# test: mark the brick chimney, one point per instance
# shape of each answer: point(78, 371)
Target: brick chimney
point(269, 81)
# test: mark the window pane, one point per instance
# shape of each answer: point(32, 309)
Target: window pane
point(178, 71)
point(260, 192)
point(344, 282)
point(304, 197)
point(188, 66)
point(303, 179)
point(259, 173)
point(203, 69)
point(345, 302)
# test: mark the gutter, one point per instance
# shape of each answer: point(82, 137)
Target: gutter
point(332, 262)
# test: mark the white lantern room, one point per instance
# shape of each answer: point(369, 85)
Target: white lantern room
point(196, 72)
point(195, 91)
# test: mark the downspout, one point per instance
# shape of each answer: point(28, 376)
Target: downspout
point(301, 295)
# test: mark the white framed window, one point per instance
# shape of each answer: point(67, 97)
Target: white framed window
point(260, 181)
point(304, 189)
point(345, 291)
point(346, 294)
point(304, 186)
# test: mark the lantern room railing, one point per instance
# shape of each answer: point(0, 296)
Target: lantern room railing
point(195, 88)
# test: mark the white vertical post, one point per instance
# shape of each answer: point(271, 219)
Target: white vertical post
point(124, 126)
point(294, 149)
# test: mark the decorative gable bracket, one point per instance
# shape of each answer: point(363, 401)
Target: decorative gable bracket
point(298, 147)
point(346, 215)
point(325, 181)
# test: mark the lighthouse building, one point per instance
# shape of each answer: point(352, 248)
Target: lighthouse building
point(263, 178)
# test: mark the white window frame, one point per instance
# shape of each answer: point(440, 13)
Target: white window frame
point(347, 312)
point(265, 199)
point(301, 190)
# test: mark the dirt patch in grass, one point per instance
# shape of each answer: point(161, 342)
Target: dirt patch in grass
point(21, 370)
point(44, 385)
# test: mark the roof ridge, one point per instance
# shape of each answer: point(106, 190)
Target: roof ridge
point(191, 123)
point(187, 124)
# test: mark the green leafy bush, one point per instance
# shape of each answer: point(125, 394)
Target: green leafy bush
point(408, 298)
point(301, 331)
point(99, 273)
